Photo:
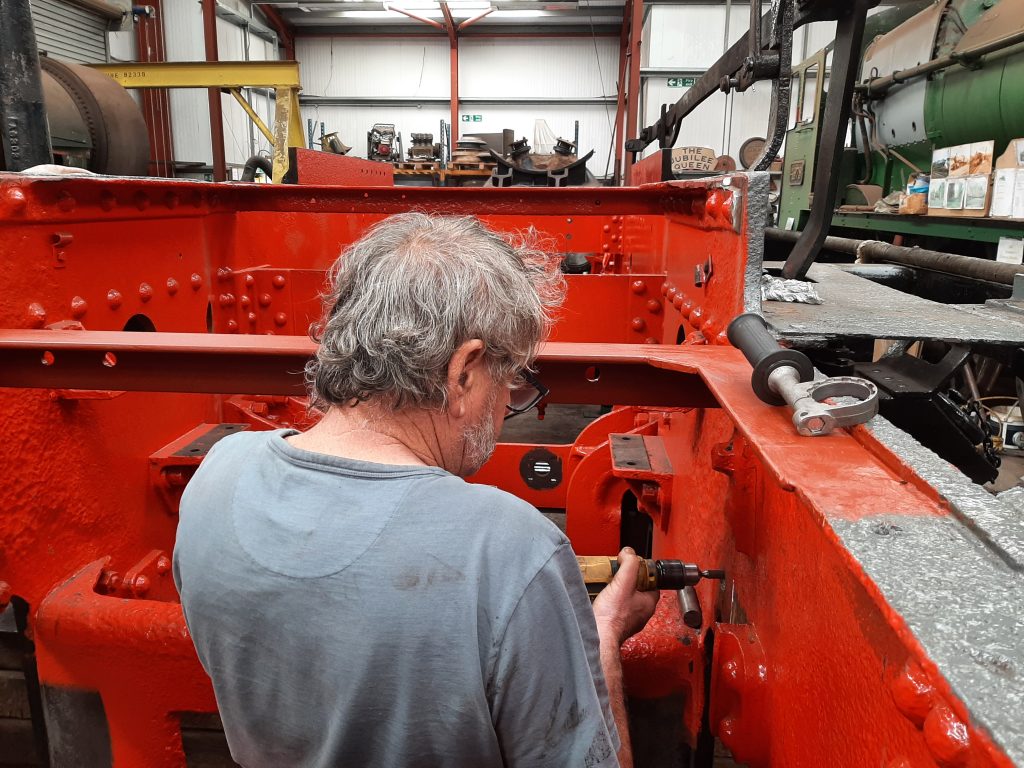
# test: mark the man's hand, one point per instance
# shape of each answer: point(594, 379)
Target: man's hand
point(620, 610)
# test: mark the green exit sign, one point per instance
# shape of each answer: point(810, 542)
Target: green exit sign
point(472, 118)
point(682, 82)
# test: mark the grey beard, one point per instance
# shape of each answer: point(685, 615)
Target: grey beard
point(480, 439)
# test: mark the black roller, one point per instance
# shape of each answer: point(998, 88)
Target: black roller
point(749, 334)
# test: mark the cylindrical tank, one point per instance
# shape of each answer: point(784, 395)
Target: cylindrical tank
point(94, 122)
point(956, 105)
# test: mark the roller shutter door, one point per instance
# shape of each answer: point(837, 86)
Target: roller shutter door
point(68, 32)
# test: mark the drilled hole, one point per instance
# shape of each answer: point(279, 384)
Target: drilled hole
point(47, 358)
point(110, 360)
point(630, 463)
point(592, 374)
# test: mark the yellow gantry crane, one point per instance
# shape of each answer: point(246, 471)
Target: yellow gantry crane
point(280, 76)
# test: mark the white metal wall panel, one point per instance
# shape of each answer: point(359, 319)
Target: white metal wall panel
point(122, 46)
point(190, 111)
point(338, 66)
point(352, 123)
point(538, 67)
point(702, 128)
point(69, 32)
point(687, 36)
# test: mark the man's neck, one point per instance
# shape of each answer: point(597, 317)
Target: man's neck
point(363, 433)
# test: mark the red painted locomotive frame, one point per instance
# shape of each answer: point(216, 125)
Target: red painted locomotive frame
point(140, 317)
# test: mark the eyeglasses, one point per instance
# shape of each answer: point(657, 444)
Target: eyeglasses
point(525, 397)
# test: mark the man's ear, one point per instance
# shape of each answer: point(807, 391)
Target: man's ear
point(466, 371)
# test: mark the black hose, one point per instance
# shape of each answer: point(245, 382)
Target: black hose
point(257, 162)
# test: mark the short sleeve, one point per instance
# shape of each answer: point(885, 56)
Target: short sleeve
point(549, 702)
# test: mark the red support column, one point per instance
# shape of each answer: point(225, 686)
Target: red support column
point(453, 40)
point(156, 106)
point(618, 130)
point(283, 29)
point(220, 170)
point(633, 95)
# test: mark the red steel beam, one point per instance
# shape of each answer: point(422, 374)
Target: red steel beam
point(284, 29)
point(220, 166)
point(620, 102)
point(474, 19)
point(272, 365)
point(633, 95)
point(453, 67)
point(416, 16)
point(156, 106)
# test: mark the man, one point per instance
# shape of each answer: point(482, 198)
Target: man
point(354, 600)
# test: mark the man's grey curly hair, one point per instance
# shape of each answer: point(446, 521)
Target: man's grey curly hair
point(403, 298)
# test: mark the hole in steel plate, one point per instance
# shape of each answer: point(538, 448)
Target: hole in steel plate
point(592, 374)
point(139, 323)
point(110, 360)
point(47, 358)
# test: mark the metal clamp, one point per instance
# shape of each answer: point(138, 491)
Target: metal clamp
point(812, 416)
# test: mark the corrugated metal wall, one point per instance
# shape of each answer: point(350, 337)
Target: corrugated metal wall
point(190, 112)
point(68, 32)
point(536, 76)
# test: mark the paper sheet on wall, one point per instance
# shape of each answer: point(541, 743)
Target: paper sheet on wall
point(1002, 192)
point(1011, 251)
point(1018, 196)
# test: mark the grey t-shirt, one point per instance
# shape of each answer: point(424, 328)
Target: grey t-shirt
point(359, 614)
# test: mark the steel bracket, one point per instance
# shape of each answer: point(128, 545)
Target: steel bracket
point(643, 462)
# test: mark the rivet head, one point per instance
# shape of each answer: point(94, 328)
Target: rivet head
point(78, 306)
point(607, 228)
point(16, 199)
point(264, 299)
point(678, 300)
point(140, 585)
point(36, 315)
point(650, 340)
point(252, 317)
point(171, 200)
point(722, 338)
point(224, 273)
point(653, 306)
point(638, 286)
point(279, 281)
point(638, 324)
point(172, 286)
point(245, 301)
point(696, 317)
point(947, 737)
point(280, 319)
point(114, 298)
point(250, 281)
point(232, 326)
point(606, 247)
point(141, 201)
point(912, 693)
point(145, 292)
point(226, 299)
point(163, 564)
point(107, 201)
point(66, 202)
point(196, 281)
